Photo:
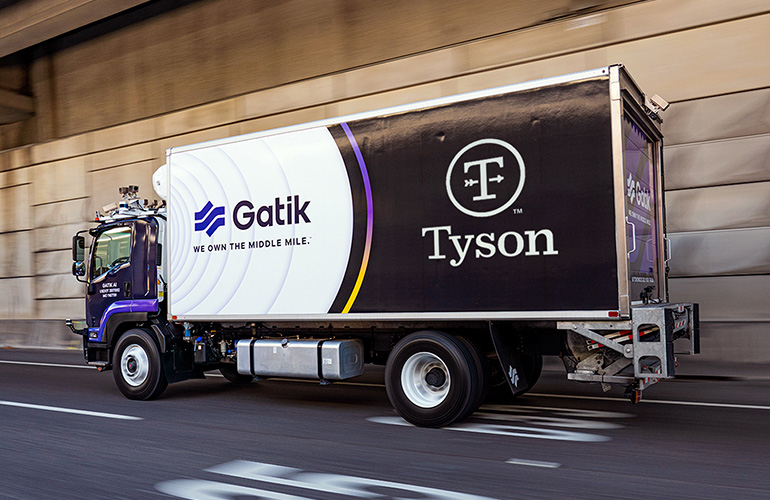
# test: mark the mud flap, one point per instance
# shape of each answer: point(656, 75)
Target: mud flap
point(508, 346)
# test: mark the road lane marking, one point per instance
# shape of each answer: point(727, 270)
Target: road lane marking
point(353, 486)
point(55, 365)
point(656, 401)
point(551, 421)
point(712, 405)
point(336, 484)
point(363, 384)
point(535, 422)
point(563, 396)
point(533, 463)
point(506, 430)
point(568, 412)
point(69, 410)
point(198, 489)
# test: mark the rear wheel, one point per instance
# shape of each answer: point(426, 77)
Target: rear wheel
point(482, 372)
point(138, 369)
point(433, 379)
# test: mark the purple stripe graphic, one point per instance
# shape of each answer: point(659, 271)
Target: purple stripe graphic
point(369, 216)
point(124, 306)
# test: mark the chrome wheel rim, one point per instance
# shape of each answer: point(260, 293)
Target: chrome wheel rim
point(134, 365)
point(425, 380)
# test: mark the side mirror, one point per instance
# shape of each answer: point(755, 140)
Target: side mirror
point(78, 250)
point(79, 268)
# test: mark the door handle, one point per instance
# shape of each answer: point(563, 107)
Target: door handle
point(633, 235)
point(127, 289)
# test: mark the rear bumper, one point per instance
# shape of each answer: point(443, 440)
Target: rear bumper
point(644, 346)
point(654, 357)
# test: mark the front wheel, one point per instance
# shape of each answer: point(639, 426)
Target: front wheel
point(138, 369)
point(432, 379)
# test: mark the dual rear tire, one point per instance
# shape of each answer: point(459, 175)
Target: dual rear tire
point(434, 379)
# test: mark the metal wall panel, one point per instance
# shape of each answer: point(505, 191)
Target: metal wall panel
point(727, 344)
point(729, 298)
point(732, 115)
point(729, 252)
point(725, 207)
point(728, 161)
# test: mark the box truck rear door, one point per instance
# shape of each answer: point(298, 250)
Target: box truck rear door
point(643, 212)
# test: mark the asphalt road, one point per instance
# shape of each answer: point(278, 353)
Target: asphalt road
point(67, 433)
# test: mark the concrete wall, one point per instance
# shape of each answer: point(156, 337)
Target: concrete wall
point(193, 73)
point(718, 196)
point(175, 54)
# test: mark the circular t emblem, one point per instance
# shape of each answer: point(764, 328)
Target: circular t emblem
point(485, 177)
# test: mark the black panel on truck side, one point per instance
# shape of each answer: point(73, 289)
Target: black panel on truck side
point(503, 203)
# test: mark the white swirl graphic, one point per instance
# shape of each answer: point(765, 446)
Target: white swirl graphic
point(292, 257)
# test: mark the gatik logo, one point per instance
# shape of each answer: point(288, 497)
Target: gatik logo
point(293, 211)
point(210, 218)
point(483, 180)
point(278, 213)
point(513, 375)
point(637, 194)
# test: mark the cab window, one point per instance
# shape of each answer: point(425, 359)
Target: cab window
point(112, 250)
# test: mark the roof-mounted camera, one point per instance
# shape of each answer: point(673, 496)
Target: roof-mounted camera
point(655, 105)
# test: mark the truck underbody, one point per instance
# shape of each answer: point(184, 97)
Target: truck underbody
point(436, 373)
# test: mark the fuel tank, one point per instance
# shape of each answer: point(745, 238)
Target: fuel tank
point(301, 358)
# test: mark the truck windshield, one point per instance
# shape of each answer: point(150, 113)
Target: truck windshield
point(112, 249)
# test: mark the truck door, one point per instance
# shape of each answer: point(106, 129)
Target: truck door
point(644, 214)
point(121, 272)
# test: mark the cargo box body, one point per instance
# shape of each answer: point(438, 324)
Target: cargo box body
point(533, 201)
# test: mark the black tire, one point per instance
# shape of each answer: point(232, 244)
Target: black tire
point(230, 372)
point(137, 366)
point(432, 379)
point(482, 373)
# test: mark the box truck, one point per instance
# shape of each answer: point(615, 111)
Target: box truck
point(455, 241)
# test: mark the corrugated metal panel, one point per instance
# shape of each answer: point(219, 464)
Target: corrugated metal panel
point(731, 343)
point(726, 207)
point(730, 298)
point(729, 161)
point(731, 252)
point(733, 115)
